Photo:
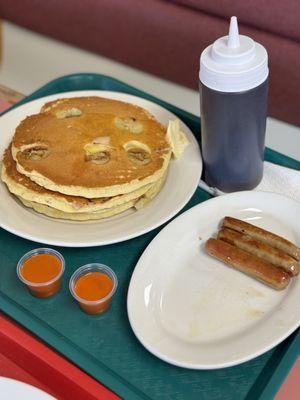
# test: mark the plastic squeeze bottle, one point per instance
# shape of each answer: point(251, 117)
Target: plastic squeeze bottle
point(233, 98)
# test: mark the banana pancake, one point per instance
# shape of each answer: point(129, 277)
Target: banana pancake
point(24, 187)
point(91, 147)
point(84, 216)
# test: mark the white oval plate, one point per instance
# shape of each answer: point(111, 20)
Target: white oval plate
point(193, 311)
point(181, 183)
point(16, 390)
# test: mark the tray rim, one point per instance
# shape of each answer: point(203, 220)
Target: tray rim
point(16, 340)
point(282, 370)
point(69, 350)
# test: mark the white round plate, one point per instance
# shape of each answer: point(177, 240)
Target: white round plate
point(16, 390)
point(181, 183)
point(192, 310)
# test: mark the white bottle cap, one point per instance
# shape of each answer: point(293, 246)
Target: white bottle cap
point(233, 63)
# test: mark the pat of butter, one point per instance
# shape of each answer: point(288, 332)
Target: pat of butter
point(176, 138)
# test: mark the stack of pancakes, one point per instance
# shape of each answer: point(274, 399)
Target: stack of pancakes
point(89, 158)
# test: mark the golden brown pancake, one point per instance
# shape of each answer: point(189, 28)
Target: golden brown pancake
point(24, 187)
point(91, 147)
point(139, 203)
point(83, 216)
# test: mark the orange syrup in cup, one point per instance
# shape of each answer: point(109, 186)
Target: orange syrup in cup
point(41, 270)
point(93, 286)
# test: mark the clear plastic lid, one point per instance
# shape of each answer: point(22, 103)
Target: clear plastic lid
point(233, 63)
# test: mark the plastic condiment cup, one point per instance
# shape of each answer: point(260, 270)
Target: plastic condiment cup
point(47, 288)
point(93, 306)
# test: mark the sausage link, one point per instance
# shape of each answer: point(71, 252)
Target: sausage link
point(264, 236)
point(261, 250)
point(253, 266)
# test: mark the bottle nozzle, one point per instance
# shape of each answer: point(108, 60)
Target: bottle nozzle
point(233, 36)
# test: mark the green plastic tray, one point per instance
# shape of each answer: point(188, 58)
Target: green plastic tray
point(105, 346)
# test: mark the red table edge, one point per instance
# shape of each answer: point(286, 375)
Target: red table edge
point(48, 367)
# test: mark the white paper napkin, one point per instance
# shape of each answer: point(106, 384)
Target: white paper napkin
point(276, 179)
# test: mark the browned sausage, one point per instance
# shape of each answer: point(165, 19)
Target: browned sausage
point(253, 266)
point(264, 236)
point(261, 250)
